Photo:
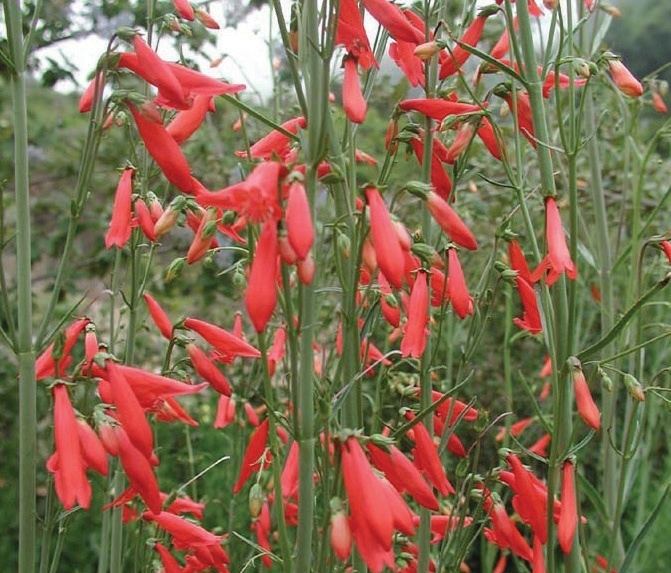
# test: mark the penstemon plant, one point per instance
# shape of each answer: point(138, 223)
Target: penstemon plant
point(358, 431)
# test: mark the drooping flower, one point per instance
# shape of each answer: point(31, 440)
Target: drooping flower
point(388, 250)
point(530, 502)
point(159, 316)
point(530, 319)
point(251, 461)
point(525, 122)
point(225, 342)
point(658, 102)
point(276, 142)
point(184, 9)
point(453, 62)
point(354, 104)
point(86, 99)
point(204, 237)
point(351, 34)
point(207, 370)
point(261, 293)
point(187, 122)
point(488, 136)
point(164, 150)
point(450, 222)
point(341, 535)
point(457, 290)
point(92, 449)
point(438, 109)
point(225, 411)
point(558, 260)
point(587, 408)
point(144, 219)
point(392, 19)
point(47, 364)
point(206, 19)
point(158, 73)
point(70, 472)
point(298, 217)
point(506, 534)
point(439, 178)
point(624, 79)
point(568, 517)
point(119, 230)
point(414, 339)
point(170, 564)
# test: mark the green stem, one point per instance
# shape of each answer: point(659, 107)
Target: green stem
point(24, 343)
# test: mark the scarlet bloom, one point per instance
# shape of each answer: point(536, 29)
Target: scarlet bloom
point(353, 101)
point(488, 136)
point(624, 79)
point(506, 534)
point(426, 458)
point(666, 247)
point(251, 461)
point(119, 230)
point(530, 319)
point(159, 316)
point(207, 370)
point(92, 448)
point(568, 517)
point(341, 536)
point(518, 261)
point(225, 412)
point(222, 340)
point(588, 410)
point(261, 293)
point(530, 501)
point(453, 62)
point(525, 122)
point(158, 73)
point(184, 532)
point(558, 260)
point(388, 249)
point(70, 476)
point(403, 475)
point(206, 19)
point(392, 19)
point(170, 564)
point(438, 109)
point(184, 9)
point(457, 290)
point(129, 411)
point(351, 34)
point(47, 365)
point(86, 99)
point(144, 219)
point(414, 340)
point(298, 218)
point(276, 142)
point(405, 56)
point(187, 122)
point(439, 178)
point(138, 470)
point(204, 238)
point(164, 150)
point(450, 222)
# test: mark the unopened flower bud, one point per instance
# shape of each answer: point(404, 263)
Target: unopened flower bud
point(634, 388)
point(256, 499)
point(427, 50)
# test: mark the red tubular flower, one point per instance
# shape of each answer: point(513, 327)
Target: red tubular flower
point(453, 62)
point(204, 238)
point(502, 46)
point(159, 316)
point(403, 54)
point(457, 290)
point(129, 411)
point(170, 564)
point(414, 340)
point(184, 9)
point(450, 222)
point(488, 136)
point(561, 81)
point(289, 478)
point(518, 261)
point(588, 410)
point(461, 141)
point(666, 248)
point(388, 249)
point(184, 532)
point(568, 517)
point(525, 121)
point(403, 475)
point(251, 460)
point(531, 318)
point(392, 19)
point(206, 19)
point(351, 34)
point(119, 230)
point(298, 217)
point(341, 536)
point(531, 505)
point(277, 350)
point(92, 449)
point(372, 519)
point(438, 109)
point(538, 560)
point(70, 474)
point(540, 446)
point(624, 79)
point(439, 178)
point(207, 370)
point(164, 150)
point(261, 293)
point(276, 142)
point(558, 260)
point(86, 99)
point(183, 505)
point(353, 101)
point(225, 412)
point(388, 304)
point(144, 219)
point(187, 122)
point(225, 342)
point(252, 416)
point(426, 457)
point(507, 534)
point(46, 365)
point(658, 102)
point(158, 73)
